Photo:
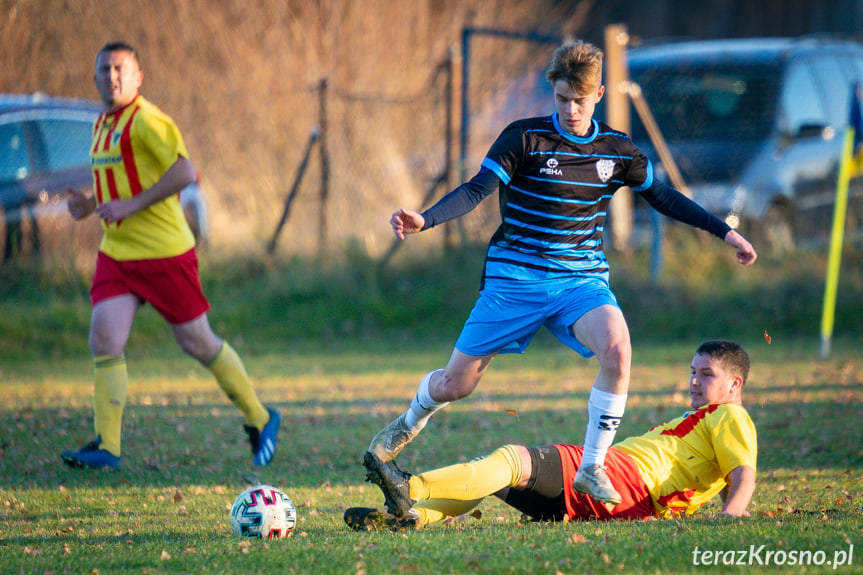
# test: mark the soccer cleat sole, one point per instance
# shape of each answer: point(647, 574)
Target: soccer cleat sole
point(366, 519)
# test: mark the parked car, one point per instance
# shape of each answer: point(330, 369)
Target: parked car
point(756, 127)
point(44, 149)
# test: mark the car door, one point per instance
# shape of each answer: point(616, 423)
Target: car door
point(60, 148)
point(14, 165)
point(808, 157)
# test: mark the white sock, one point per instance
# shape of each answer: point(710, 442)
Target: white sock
point(604, 411)
point(422, 406)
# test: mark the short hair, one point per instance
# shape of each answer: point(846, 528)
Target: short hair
point(120, 47)
point(579, 64)
point(729, 354)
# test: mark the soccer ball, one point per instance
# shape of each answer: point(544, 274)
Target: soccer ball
point(263, 512)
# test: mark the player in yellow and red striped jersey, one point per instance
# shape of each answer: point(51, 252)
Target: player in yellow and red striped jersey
point(147, 255)
point(672, 469)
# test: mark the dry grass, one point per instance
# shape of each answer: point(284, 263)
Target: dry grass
point(242, 82)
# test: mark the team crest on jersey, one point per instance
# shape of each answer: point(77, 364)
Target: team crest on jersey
point(551, 168)
point(605, 168)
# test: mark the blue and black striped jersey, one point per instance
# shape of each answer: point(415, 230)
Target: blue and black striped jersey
point(555, 189)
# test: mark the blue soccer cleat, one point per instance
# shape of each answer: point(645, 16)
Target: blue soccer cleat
point(264, 442)
point(92, 456)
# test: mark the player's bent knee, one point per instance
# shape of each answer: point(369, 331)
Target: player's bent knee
point(616, 357)
point(453, 387)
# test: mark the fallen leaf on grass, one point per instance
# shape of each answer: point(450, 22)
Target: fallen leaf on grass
point(767, 338)
point(513, 412)
point(177, 497)
point(165, 556)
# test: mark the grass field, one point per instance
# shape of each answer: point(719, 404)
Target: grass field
point(340, 352)
point(186, 458)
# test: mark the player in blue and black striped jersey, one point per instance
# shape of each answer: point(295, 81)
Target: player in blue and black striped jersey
point(545, 264)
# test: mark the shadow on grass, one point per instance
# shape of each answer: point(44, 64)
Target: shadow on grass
point(321, 441)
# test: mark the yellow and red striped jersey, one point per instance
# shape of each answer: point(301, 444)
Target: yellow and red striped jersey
point(684, 462)
point(132, 148)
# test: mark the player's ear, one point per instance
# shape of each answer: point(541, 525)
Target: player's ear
point(736, 383)
point(600, 92)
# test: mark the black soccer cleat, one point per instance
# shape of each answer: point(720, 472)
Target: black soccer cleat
point(393, 482)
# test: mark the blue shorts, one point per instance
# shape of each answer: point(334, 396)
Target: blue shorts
point(506, 322)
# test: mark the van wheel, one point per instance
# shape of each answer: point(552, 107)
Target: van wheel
point(777, 229)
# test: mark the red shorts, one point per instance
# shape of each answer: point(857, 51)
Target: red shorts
point(170, 285)
point(624, 475)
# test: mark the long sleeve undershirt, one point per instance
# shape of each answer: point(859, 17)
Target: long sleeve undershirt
point(663, 198)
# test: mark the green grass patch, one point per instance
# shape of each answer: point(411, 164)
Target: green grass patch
point(186, 458)
point(339, 348)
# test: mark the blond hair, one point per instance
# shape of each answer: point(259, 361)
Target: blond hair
point(579, 64)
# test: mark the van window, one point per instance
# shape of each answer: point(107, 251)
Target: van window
point(801, 106)
point(712, 101)
point(67, 143)
point(13, 152)
point(834, 89)
point(858, 68)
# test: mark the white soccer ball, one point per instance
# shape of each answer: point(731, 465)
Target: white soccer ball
point(263, 512)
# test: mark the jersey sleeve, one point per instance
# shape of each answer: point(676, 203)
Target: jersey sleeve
point(639, 170)
point(506, 153)
point(734, 439)
point(162, 138)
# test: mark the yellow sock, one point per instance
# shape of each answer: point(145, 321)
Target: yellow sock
point(432, 510)
point(467, 481)
point(231, 375)
point(109, 399)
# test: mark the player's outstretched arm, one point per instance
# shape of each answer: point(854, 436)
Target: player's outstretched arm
point(741, 486)
point(406, 222)
point(745, 252)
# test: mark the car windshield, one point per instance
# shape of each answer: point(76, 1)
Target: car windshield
point(708, 102)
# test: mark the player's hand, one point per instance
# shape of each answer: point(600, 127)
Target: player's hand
point(745, 252)
point(79, 205)
point(116, 210)
point(406, 222)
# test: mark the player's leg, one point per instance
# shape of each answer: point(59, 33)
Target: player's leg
point(436, 389)
point(542, 496)
point(603, 330)
point(197, 339)
point(110, 324)
point(508, 466)
point(177, 295)
point(498, 323)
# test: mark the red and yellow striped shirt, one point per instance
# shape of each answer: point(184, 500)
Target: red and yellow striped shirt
point(132, 148)
point(684, 462)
